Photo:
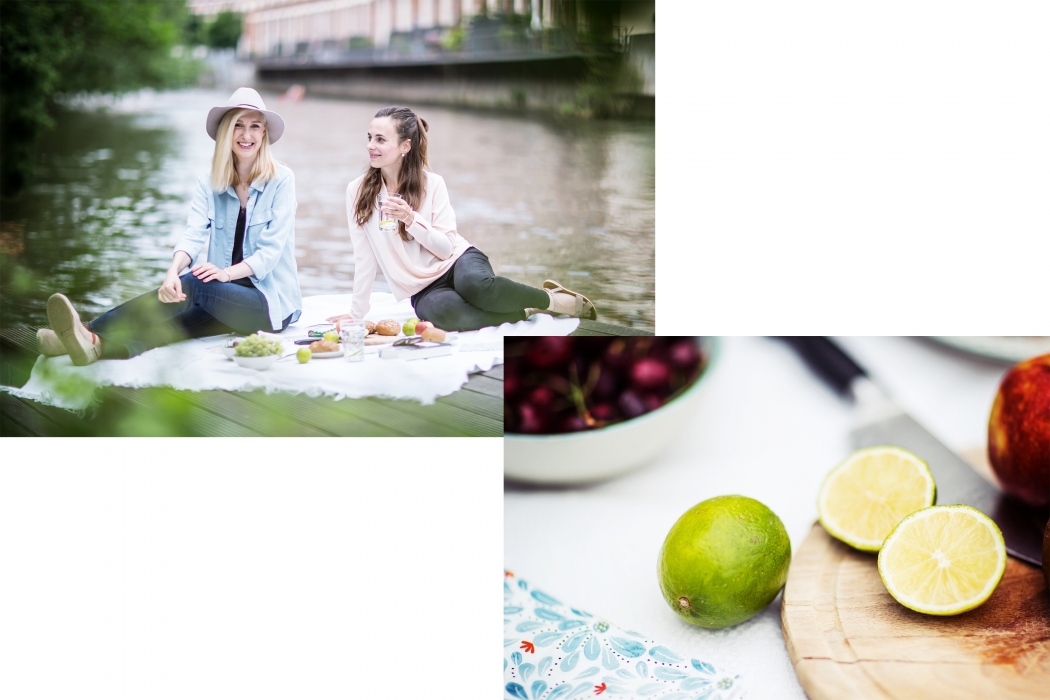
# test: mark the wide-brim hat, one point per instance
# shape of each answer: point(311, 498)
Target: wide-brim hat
point(246, 98)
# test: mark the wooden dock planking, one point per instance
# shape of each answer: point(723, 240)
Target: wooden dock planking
point(476, 410)
point(598, 328)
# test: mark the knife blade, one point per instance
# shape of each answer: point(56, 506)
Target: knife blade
point(881, 422)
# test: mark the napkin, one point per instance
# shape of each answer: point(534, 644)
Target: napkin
point(555, 652)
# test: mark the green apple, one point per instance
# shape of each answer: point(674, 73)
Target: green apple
point(331, 336)
point(410, 326)
point(304, 355)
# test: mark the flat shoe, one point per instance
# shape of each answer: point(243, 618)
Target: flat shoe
point(585, 308)
point(48, 343)
point(83, 346)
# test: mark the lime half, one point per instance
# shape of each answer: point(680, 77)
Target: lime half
point(863, 499)
point(943, 560)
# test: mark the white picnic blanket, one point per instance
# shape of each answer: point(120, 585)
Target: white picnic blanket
point(197, 364)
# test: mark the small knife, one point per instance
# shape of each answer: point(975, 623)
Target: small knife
point(881, 422)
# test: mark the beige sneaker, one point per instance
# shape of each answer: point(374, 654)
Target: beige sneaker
point(48, 343)
point(83, 346)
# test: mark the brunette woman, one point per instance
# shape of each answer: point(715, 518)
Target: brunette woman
point(451, 282)
point(246, 207)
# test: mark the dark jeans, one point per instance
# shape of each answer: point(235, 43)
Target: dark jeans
point(470, 296)
point(210, 308)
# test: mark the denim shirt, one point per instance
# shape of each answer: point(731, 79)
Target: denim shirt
point(269, 237)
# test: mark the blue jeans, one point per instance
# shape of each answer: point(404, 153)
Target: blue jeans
point(210, 308)
point(470, 296)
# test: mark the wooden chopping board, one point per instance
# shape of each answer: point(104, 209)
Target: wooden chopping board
point(376, 339)
point(848, 638)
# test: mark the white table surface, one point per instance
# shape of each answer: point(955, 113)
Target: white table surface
point(767, 428)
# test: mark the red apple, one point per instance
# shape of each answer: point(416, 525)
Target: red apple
point(1019, 431)
point(422, 326)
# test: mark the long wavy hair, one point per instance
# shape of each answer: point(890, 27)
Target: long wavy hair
point(223, 172)
point(411, 180)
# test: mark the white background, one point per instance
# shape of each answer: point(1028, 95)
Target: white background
point(853, 167)
point(215, 569)
point(822, 167)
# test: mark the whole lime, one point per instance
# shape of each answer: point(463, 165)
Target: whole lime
point(303, 355)
point(410, 326)
point(723, 561)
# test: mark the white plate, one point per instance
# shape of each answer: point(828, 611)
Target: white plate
point(1009, 348)
point(326, 355)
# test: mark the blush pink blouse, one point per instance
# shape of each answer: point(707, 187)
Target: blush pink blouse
point(409, 266)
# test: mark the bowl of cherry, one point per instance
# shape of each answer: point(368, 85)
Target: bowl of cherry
point(579, 409)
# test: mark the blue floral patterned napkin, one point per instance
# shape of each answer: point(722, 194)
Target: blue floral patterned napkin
point(554, 652)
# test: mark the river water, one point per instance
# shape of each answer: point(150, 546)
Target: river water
point(570, 201)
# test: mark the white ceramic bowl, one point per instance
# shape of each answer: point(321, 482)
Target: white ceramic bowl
point(593, 455)
point(259, 363)
point(228, 351)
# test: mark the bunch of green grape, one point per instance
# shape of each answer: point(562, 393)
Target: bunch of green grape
point(257, 346)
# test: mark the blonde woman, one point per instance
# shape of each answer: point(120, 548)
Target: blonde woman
point(245, 210)
point(451, 282)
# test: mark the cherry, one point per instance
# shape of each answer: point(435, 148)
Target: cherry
point(531, 420)
point(621, 379)
point(617, 355)
point(648, 374)
point(631, 404)
point(652, 402)
point(542, 397)
point(550, 351)
point(606, 386)
point(573, 424)
point(511, 384)
point(604, 412)
point(685, 354)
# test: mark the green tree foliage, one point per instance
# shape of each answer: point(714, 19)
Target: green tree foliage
point(225, 31)
point(54, 47)
point(195, 31)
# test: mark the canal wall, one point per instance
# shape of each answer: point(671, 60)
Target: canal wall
point(538, 86)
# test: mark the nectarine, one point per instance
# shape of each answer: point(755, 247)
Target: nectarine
point(1019, 431)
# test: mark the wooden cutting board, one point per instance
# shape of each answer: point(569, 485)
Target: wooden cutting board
point(848, 638)
point(376, 339)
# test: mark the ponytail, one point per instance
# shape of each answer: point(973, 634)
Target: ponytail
point(422, 128)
